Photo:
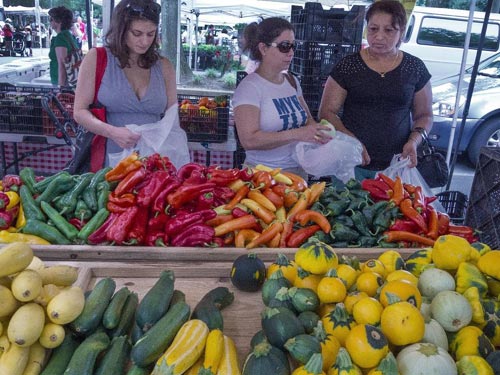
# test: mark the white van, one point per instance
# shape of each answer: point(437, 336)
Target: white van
point(437, 36)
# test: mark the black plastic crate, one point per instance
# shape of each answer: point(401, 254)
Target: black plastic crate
point(314, 23)
point(455, 204)
point(318, 59)
point(20, 112)
point(204, 124)
point(483, 212)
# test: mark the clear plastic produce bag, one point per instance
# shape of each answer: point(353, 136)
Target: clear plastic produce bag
point(335, 158)
point(399, 167)
point(164, 137)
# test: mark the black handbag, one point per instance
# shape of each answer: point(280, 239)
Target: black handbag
point(432, 164)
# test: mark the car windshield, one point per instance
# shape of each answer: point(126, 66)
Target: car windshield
point(489, 67)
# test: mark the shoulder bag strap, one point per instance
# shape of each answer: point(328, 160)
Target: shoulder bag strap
point(291, 80)
point(100, 67)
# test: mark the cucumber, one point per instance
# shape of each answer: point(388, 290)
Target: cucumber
point(136, 333)
point(95, 305)
point(127, 318)
point(112, 314)
point(61, 356)
point(155, 302)
point(177, 296)
point(157, 339)
point(84, 358)
point(136, 370)
point(115, 359)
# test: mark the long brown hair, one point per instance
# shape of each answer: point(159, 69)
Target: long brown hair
point(123, 15)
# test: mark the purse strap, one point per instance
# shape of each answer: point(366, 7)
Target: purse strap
point(100, 67)
point(289, 77)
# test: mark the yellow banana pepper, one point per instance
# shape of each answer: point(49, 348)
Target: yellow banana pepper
point(13, 199)
point(21, 219)
point(9, 237)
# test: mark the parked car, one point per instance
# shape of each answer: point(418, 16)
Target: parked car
point(482, 127)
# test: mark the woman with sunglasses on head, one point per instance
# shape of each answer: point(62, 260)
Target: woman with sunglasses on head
point(138, 85)
point(381, 95)
point(61, 45)
point(270, 113)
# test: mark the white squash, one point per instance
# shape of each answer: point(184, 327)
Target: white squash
point(435, 334)
point(434, 280)
point(452, 310)
point(425, 359)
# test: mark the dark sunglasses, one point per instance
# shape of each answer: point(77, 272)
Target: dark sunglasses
point(283, 47)
point(151, 11)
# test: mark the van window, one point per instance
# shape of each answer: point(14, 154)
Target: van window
point(445, 32)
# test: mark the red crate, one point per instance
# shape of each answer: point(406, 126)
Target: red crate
point(67, 100)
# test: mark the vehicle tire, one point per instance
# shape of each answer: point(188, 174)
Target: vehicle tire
point(487, 135)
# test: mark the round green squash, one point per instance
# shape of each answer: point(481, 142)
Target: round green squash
point(248, 272)
point(280, 324)
point(266, 359)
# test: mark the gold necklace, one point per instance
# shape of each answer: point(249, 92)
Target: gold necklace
point(382, 74)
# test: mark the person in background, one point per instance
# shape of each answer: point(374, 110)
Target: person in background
point(28, 37)
point(8, 35)
point(138, 85)
point(210, 35)
point(381, 95)
point(224, 38)
point(83, 28)
point(77, 34)
point(61, 45)
point(270, 113)
point(251, 64)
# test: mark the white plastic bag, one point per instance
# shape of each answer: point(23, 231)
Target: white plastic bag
point(337, 157)
point(399, 167)
point(164, 137)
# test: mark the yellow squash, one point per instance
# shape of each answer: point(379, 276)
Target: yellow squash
point(405, 291)
point(366, 345)
point(473, 365)
point(388, 366)
point(402, 323)
point(313, 367)
point(14, 360)
point(214, 349)
point(469, 275)
point(229, 364)
point(470, 340)
point(36, 359)
point(348, 274)
point(185, 350)
point(367, 311)
point(449, 251)
point(316, 257)
point(488, 264)
point(338, 323)
point(286, 266)
point(374, 265)
point(392, 260)
point(14, 257)
point(472, 295)
point(343, 365)
point(331, 289)
point(417, 261)
point(329, 346)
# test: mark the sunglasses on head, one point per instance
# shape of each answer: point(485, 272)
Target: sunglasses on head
point(283, 47)
point(151, 11)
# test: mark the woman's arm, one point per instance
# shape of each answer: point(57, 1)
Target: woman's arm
point(61, 55)
point(170, 82)
point(84, 97)
point(422, 118)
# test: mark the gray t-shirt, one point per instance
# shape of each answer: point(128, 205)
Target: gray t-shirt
point(280, 110)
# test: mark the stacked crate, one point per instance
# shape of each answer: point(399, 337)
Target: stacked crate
point(323, 37)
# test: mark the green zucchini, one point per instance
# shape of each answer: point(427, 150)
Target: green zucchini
point(155, 302)
point(136, 370)
point(208, 308)
point(84, 358)
point(127, 317)
point(61, 356)
point(157, 339)
point(95, 305)
point(113, 312)
point(116, 357)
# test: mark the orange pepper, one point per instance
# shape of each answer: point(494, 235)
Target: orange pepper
point(126, 165)
point(267, 235)
point(398, 191)
point(243, 222)
point(244, 237)
point(432, 222)
point(401, 235)
point(298, 184)
point(301, 203)
point(261, 199)
point(240, 194)
point(305, 216)
point(275, 242)
point(316, 191)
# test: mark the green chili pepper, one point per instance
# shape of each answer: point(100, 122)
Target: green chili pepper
point(339, 244)
point(56, 187)
point(357, 204)
point(323, 237)
point(67, 229)
point(27, 176)
point(341, 232)
point(344, 219)
point(30, 207)
point(40, 186)
point(353, 184)
point(360, 193)
point(94, 223)
point(69, 200)
point(319, 207)
point(82, 211)
point(90, 194)
point(360, 223)
point(102, 194)
point(46, 231)
point(337, 207)
point(367, 241)
point(388, 244)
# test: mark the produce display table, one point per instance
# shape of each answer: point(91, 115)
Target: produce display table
point(196, 271)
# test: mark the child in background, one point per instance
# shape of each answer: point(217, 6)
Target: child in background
point(28, 37)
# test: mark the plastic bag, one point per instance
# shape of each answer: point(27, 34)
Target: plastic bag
point(337, 157)
point(164, 137)
point(399, 167)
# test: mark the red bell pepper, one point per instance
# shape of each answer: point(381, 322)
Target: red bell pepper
point(443, 223)
point(462, 231)
point(6, 219)
point(11, 182)
point(223, 194)
point(246, 174)
point(156, 162)
point(99, 236)
point(156, 238)
point(4, 200)
point(182, 221)
point(152, 189)
point(205, 201)
point(187, 193)
point(404, 225)
point(238, 212)
point(196, 178)
point(197, 235)
point(118, 231)
point(263, 180)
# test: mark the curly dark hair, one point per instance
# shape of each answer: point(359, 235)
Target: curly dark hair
point(264, 32)
point(62, 15)
point(392, 7)
point(123, 15)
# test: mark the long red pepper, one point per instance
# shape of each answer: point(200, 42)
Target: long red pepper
point(409, 212)
point(186, 193)
point(118, 231)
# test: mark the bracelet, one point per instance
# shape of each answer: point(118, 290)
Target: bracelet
point(420, 130)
